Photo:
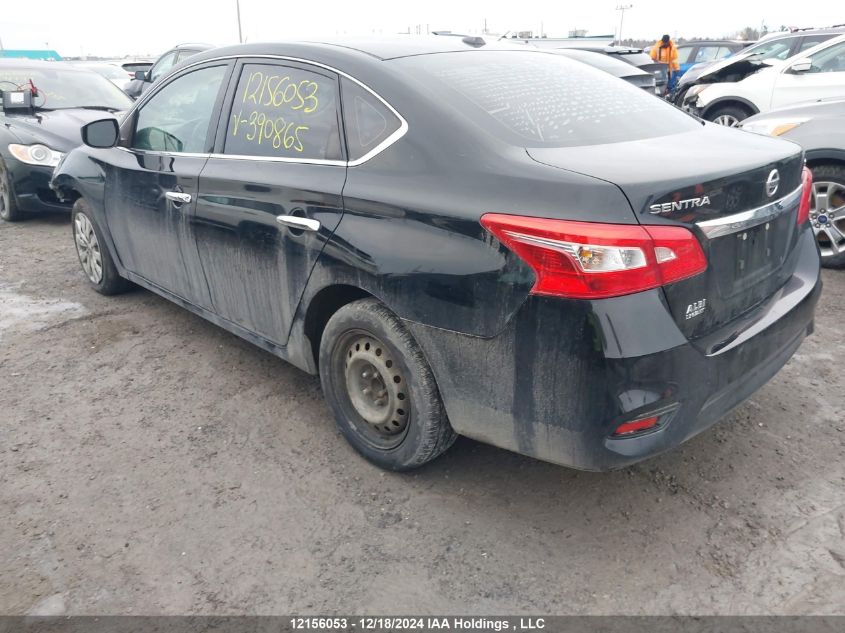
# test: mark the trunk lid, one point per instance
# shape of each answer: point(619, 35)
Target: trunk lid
point(714, 182)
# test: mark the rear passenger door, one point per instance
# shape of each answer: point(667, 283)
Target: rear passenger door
point(270, 194)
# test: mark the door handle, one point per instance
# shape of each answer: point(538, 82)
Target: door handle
point(177, 196)
point(298, 223)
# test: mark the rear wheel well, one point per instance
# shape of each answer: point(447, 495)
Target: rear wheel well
point(324, 304)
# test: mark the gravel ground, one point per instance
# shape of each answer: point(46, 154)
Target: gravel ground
point(152, 463)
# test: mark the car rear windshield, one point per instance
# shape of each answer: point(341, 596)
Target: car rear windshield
point(538, 99)
point(61, 88)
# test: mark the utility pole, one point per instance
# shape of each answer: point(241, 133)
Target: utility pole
point(240, 33)
point(622, 8)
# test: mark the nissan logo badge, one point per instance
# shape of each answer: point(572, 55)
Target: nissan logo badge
point(772, 183)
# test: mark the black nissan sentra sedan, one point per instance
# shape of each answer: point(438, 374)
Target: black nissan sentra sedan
point(460, 239)
point(36, 132)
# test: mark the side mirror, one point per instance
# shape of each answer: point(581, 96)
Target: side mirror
point(802, 65)
point(141, 75)
point(101, 134)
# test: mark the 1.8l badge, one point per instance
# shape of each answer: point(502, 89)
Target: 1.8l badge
point(696, 308)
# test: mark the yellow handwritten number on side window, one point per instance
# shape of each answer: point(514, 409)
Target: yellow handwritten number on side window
point(277, 91)
point(264, 130)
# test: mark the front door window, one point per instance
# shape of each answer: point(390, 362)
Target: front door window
point(177, 118)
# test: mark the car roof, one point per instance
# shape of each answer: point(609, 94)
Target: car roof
point(381, 48)
point(608, 50)
point(710, 42)
point(839, 28)
point(193, 46)
point(607, 63)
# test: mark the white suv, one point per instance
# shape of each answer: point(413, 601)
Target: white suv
point(816, 73)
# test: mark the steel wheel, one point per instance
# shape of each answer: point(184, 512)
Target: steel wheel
point(728, 120)
point(88, 248)
point(377, 390)
point(827, 213)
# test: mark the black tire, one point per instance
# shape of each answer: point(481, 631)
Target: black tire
point(830, 173)
point(109, 281)
point(9, 210)
point(400, 369)
point(736, 112)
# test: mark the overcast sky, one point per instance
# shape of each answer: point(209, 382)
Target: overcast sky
point(97, 27)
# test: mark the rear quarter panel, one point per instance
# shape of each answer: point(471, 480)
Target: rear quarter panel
point(411, 236)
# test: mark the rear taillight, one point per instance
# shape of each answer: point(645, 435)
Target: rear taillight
point(806, 195)
point(588, 260)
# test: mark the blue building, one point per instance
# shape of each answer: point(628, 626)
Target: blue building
point(31, 54)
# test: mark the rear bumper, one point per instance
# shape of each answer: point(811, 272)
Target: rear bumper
point(564, 374)
point(31, 184)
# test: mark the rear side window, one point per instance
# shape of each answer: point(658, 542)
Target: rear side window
point(176, 118)
point(367, 120)
point(163, 65)
point(535, 99)
point(777, 49)
point(813, 40)
point(710, 53)
point(185, 54)
point(284, 112)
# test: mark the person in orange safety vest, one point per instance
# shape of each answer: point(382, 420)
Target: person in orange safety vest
point(664, 51)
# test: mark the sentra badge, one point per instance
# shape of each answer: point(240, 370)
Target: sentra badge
point(680, 205)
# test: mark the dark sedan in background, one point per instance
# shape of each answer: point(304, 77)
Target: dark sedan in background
point(473, 243)
point(44, 106)
point(613, 66)
point(819, 127)
point(633, 56)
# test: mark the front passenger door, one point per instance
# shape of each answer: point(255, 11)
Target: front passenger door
point(825, 78)
point(152, 185)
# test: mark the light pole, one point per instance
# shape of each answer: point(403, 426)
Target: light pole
point(240, 34)
point(622, 8)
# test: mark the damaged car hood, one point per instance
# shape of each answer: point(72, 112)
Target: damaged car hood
point(735, 68)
